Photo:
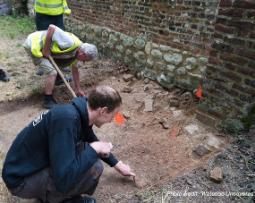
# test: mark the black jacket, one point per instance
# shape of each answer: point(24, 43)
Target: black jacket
point(51, 141)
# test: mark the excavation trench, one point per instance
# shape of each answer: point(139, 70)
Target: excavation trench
point(158, 141)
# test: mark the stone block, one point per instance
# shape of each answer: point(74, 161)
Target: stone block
point(98, 31)
point(181, 71)
point(164, 48)
point(203, 60)
point(139, 43)
point(127, 60)
point(159, 66)
point(164, 122)
point(170, 68)
point(120, 48)
point(105, 34)
point(213, 142)
point(127, 77)
point(128, 52)
point(192, 129)
point(140, 56)
point(165, 80)
point(175, 59)
point(148, 104)
point(127, 41)
point(113, 39)
point(206, 118)
point(216, 175)
point(127, 89)
point(191, 61)
point(150, 62)
point(148, 48)
point(156, 54)
point(201, 150)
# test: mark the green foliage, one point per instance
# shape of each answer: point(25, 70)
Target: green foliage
point(12, 27)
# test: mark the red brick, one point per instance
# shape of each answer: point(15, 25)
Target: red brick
point(230, 66)
point(233, 58)
point(222, 47)
point(225, 29)
point(245, 53)
point(252, 35)
point(214, 52)
point(232, 12)
point(235, 41)
point(246, 71)
point(248, 4)
point(231, 75)
point(250, 14)
point(243, 88)
point(225, 3)
point(250, 82)
point(218, 35)
point(214, 60)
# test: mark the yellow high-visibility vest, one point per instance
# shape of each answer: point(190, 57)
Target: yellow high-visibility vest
point(38, 41)
point(52, 7)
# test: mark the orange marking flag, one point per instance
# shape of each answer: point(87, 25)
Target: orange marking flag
point(119, 118)
point(199, 92)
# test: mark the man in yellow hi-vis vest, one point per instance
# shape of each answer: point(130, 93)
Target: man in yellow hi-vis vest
point(66, 49)
point(50, 12)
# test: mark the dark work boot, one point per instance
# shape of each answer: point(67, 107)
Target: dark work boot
point(49, 102)
point(3, 76)
point(80, 199)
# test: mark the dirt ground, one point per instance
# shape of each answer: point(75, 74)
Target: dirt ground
point(159, 144)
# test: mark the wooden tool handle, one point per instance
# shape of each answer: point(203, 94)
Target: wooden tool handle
point(62, 76)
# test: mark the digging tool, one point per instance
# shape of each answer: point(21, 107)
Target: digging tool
point(62, 76)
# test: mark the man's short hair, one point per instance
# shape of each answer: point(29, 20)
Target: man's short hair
point(90, 50)
point(104, 96)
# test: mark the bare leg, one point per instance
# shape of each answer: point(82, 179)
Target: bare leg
point(49, 84)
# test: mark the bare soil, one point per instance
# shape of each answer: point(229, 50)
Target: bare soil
point(161, 156)
point(155, 155)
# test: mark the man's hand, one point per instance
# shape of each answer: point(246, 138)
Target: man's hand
point(46, 49)
point(46, 53)
point(79, 92)
point(102, 148)
point(124, 169)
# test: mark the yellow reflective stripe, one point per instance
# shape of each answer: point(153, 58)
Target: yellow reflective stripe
point(66, 9)
point(64, 3)
point(36, 45)
point(49, 7)
point(77, 42)
point(45, 5)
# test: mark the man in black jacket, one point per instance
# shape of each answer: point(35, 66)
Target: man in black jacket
point(56, 158)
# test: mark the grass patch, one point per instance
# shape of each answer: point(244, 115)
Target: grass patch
point(12, 27)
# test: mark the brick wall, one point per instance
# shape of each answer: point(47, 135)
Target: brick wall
point(182, 24)
point(171, 42)
point(230, 76)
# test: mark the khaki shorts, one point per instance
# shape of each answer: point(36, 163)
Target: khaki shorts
point(44, 66)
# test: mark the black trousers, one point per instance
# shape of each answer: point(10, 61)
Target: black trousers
point(43, 21)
